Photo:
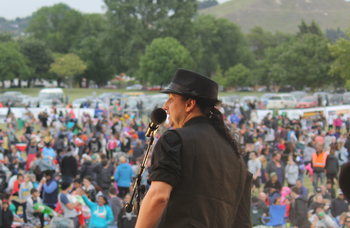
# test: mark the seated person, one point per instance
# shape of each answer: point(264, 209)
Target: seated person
point(273, 185)
point(321, 219)
point(318, 202)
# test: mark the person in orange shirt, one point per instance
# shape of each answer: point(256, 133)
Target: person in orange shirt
point(318, 164)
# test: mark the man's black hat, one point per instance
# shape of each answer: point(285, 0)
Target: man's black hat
point(195, 85)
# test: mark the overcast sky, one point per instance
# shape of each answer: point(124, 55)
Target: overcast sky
point(11, 9)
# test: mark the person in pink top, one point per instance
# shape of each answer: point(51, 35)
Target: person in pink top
point(338, 122)
point(320, 138)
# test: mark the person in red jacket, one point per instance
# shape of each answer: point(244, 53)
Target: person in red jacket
point(16, 185)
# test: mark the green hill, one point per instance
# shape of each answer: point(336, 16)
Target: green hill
point(283, 15)
point(16, 27)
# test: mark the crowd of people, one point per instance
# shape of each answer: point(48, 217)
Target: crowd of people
point(83, 168)
point(283, 155)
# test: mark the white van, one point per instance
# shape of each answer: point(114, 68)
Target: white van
point(52, 93)
point(281, 101)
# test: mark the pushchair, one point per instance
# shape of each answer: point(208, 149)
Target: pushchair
point(3, 181)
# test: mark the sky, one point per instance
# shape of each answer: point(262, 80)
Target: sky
point(11, 9)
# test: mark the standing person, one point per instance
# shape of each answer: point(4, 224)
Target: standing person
point(68, 167)
point(31, 150)
point(116, 205)
point(86, 168)
point(103, 177)
point(332, 166)
point(89, 188)
point(6, 215)
point(196, 168)
point(68, 207)
point(50, 189)
point(308, 152)
point(137, 151)
point(275, 166)
point(123, 176)
point(24, 193)
point(299, 212)
point(318, 163)
point(33, 215)
point(101, 213)
point(254, 166)
point(292, 172)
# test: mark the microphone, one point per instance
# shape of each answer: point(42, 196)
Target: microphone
point(158, 116)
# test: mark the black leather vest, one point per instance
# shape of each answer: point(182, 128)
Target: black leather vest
point(215, 182)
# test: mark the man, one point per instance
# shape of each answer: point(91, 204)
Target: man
point(262, 198)
point(68, 207)
point(254, 166)
point(197, 173)
point(69, 167)
point(123, 176)
point(137, 151)
point(303, 191)
point(116, 205)
point(273, 186)
point(50, 189)
point(320, 219)
point(325, 193)
point(33, 216)
point(347, 222)
point(275, 166)
point(298, 212)
point(339, 204)
point(318, 163)
point(95, 145)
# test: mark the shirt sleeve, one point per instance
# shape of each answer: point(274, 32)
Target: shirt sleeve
point(166, 166)
point(64, 199)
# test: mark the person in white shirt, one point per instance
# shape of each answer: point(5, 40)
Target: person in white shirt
point(254, 166)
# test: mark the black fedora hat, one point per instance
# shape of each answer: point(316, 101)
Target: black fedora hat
point(195, 85)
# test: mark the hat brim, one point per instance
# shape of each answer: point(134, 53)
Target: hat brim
point(169, 90)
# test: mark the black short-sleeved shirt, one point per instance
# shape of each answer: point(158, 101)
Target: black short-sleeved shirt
point(166, 166)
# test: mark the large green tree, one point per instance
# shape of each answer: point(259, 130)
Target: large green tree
point(341, 52)
point(135, 23)
point(57, 25)
point(161, 60)
point(5, 37)
point(67, 67)
point(238, 75)
point(39, 56)
point(222, 42)
point(92, 50)
point(12, 63)
point(304, 61)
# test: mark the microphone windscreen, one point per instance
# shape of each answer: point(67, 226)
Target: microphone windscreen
point(158, 116)
point(344, 182)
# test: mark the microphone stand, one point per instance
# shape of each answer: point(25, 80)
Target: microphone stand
point(138, 188)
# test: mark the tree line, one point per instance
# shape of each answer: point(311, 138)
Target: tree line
point(149, 40)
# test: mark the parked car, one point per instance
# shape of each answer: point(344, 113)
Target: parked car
point(245, 89)
point(47, 103)
point(13, 96)
point(31, 102)
point(336, 99)
point(230, 100)
point(307, 102)
point(110, 87)
point(245, 99)
point(265, 97)
point(299, 95)
point(155, 88)
point(346, 98)
point(52, 93)
point(281, 101)
point(325, 96)
point(109, 95)
point(93, 102)
point(134, 87)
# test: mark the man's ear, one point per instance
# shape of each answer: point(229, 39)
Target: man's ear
point(190, 104)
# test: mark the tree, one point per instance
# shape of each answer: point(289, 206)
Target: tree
point(92, 50)
point(161, 60)
point(341, 52)
point(57, 26)
point(314, 28)
point(67, 67)
point(222, 42)
point(5, 37)
point(238, 75)
point(12, 63)
point(259, 40)
point(135, 23)
point(304, 61)
point(39, 56)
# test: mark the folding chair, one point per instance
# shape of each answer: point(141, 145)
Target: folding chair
point(256, 215)
point(277, 214)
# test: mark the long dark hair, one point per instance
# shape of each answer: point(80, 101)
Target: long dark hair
point(216, 118)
